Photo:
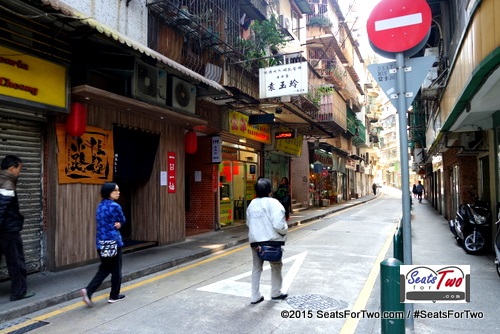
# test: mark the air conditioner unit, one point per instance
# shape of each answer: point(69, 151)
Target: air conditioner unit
point(149, 83)
point(181, 95)
point(472, 140)
point(284, 22)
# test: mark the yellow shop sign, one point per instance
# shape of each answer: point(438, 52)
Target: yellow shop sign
point(238, 125)
point(33, 79)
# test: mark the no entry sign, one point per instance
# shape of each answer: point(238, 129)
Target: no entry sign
point(399, 26)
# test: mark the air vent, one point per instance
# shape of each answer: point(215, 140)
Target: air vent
point(181, 95)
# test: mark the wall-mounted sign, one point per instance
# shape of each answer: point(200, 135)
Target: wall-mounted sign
point(216, 150)
point(29, 78)
point(171, 172)
point(284, 135)
point(229, 153)
point(291, 145)
point(87, 159)
point(283, 80)
point(238, 125)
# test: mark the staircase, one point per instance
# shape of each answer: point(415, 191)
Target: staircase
point(296, 207)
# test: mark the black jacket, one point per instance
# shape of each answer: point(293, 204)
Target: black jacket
point(11, 220)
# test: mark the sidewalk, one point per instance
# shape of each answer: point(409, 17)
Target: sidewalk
point(53, 288)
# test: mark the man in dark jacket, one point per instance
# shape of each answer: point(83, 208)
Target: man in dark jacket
point(11, 224)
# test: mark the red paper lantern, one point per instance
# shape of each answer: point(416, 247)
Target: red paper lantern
point(77, 120)
point(191, 142)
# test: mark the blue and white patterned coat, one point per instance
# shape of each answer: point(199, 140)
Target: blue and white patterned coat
point(107, 214)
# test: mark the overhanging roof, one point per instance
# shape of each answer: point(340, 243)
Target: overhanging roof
point(117, 36)
point(88, 94)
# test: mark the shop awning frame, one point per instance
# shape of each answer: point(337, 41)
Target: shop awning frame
point(89, 94)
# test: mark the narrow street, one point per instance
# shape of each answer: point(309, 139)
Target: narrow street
point(331, 273)
point(327, 266)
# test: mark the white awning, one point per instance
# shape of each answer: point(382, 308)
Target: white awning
point(117, 36)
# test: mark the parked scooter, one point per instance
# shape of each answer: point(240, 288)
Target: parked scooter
point(471, 227)
point(496, 244)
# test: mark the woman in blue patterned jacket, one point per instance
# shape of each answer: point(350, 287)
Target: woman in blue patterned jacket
point(109, 219)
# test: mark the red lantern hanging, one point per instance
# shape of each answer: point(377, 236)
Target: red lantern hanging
point(191, 142)
point(77, 120)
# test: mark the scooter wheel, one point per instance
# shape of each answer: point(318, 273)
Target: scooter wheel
point(472, 246)
point(498, 268)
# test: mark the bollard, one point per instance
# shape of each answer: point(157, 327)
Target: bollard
point(392, 310)
point(398, 243)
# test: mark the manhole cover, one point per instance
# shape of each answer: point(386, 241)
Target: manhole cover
point(315, 302)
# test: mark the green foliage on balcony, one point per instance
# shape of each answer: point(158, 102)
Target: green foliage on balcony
point(266, 37)
point(317, 93)
point(319, 21)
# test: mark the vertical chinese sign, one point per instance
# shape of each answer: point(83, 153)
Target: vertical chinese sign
point(86, 159)
point(216, 149)
point(171, 172)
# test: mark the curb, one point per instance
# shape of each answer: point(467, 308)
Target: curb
point(31, 307)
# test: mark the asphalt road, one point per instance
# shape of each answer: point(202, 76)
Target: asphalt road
point(326, 266)
point(331, 273)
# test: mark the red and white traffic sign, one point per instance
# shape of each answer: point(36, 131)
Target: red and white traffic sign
point(399, 26)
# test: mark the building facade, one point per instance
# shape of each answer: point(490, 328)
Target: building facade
point(163, 98)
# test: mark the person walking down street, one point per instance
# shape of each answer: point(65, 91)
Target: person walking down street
point(374, 187)
point(109, 219)
point(414, 191)
point(266, 227)
point(420, 191)
point(283, 195)
point(11, 225)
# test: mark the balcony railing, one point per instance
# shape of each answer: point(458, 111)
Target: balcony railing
point(330, 112)
point(214, 24)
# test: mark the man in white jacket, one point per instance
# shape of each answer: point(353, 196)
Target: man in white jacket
point(266, 227)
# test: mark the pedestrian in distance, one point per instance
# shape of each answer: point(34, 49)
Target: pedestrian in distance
point(283, 195)
point(420, 191)
point(11, 225)
point(374, 187)
point(414, 191)
point(109, 243)
point(266, 227)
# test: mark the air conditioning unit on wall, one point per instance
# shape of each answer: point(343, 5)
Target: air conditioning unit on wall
point(472, 140)
point(181, 95)
point(149, 84)
point(284, 22)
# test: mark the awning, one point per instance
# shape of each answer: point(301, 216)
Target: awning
point(92, 95)
point(117, 36)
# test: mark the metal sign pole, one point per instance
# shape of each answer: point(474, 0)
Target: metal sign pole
point(405, 170)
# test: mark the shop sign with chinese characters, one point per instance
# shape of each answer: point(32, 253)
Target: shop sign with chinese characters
point(87, 159)
point(238, 125)
point(171, 172)
point(283, 80)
